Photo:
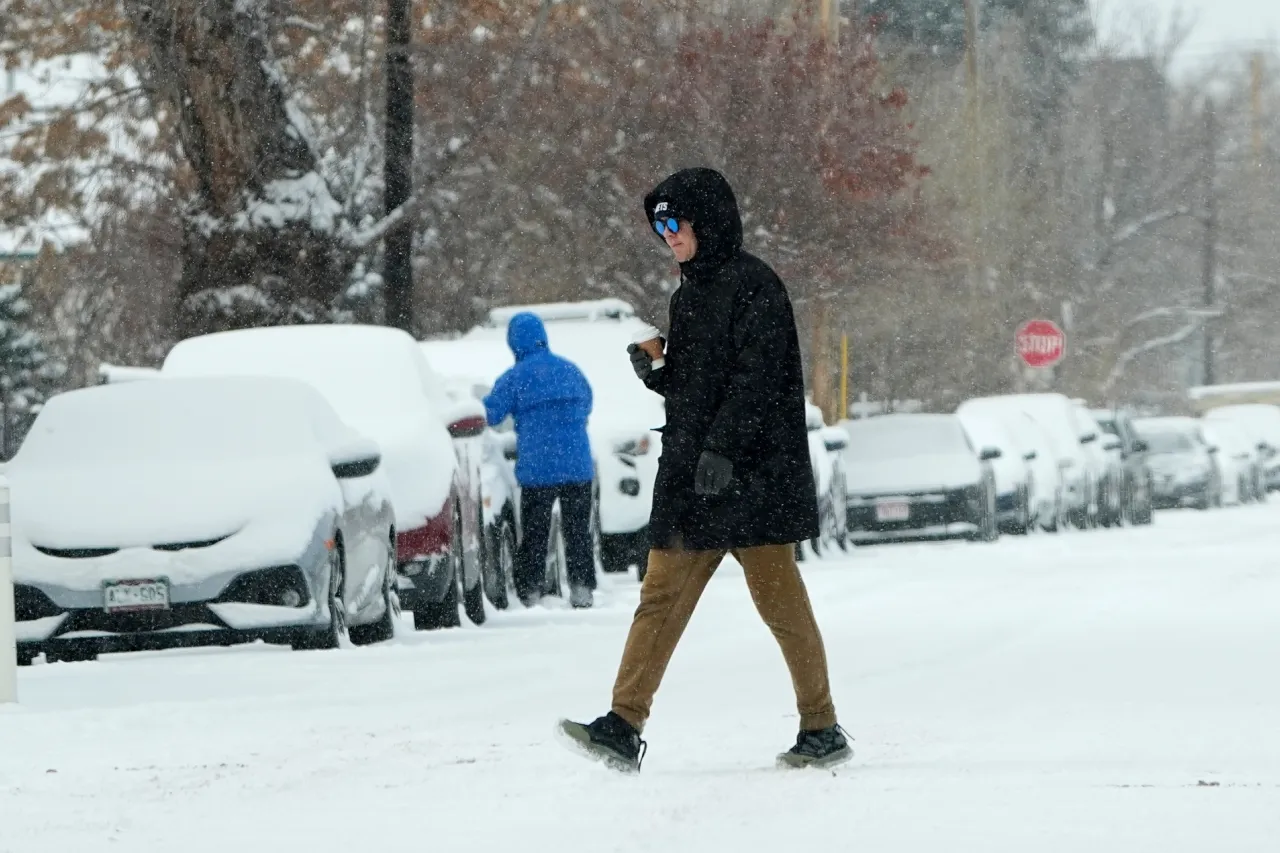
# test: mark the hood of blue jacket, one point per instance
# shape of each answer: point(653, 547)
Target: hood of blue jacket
point(526, 335)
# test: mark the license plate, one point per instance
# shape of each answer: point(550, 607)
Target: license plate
point(896, 510)
point(133, 595)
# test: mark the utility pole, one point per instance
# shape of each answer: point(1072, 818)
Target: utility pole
point(977, 213)
point(1210, 270)
point(397, 257)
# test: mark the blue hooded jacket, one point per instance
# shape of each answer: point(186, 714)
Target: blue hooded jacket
point(550, 399)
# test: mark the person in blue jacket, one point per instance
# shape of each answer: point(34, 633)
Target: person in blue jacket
point(550, 401)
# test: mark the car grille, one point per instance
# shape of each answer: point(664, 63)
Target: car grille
point(89, 553)
point(75, 553)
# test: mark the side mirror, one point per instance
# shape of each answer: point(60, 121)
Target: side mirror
point(1030, 455)
point(357, 467)
point(468, 427)
point(359, 457)
point(1089, 439)
point(989, 453)
point(1140, 446)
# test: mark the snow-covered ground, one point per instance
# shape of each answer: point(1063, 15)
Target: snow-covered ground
point(1102, 691)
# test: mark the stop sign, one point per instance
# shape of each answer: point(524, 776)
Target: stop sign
point(1040, 343)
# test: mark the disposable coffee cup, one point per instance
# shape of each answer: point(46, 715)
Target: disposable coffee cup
point(649, 339)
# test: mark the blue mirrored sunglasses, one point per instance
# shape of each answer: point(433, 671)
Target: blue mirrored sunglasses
point(662, 226)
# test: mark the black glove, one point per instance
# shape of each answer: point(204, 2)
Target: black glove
point(713, 475)
point(641, 361)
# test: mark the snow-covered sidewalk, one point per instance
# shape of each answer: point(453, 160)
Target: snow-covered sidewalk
point(1102, 691)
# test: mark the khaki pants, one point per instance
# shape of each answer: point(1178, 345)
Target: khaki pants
point(671, 590)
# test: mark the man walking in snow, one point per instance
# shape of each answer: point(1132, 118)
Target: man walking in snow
point(550, 399)
point(734, 476)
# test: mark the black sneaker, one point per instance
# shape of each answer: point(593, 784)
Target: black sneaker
point(822, 748)
point(610, 739)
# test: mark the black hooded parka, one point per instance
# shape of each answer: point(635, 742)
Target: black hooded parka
point(733, 383)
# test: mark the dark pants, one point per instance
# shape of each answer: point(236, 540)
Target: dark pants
point(575, 517)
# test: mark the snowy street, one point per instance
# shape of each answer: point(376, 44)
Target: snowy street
point(1105, 691)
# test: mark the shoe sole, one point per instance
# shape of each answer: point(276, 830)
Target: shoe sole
point(791, 761)
point(578, 739)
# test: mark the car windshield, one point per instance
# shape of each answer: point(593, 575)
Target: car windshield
point(896, 437)
point(1168, 441)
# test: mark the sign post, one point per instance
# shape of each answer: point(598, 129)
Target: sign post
point(1040, 343)
point(8, 645)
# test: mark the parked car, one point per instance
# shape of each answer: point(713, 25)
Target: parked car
point(203, 511)
point(1012, 470)
point(1262, 422)
point(918, 476)
point(1053, 415)
point(379, 382)
point(1136, 488)
point(826, 455)
point(1103, 451)
point(625, 421)
point(1237, 459)
point(1181, 463)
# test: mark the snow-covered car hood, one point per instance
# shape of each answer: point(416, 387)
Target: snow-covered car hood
point(917, 473)
point(122, 506)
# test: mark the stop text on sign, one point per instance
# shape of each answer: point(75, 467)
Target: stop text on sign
point(1040, 343)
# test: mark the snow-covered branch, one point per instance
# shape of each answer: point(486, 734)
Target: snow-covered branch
point(366, 237)
point(1132, 353)
point(1179, 311)
point(300, 23)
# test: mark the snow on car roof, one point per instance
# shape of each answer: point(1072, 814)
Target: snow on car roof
point(904, 435)
point(179, 419)
point(589, 310)
point(368, 373)
point(622, 403)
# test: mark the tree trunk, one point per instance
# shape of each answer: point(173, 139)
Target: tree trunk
point(261, 237)
point(397, 259)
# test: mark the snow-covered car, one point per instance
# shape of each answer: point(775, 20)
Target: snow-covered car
point(1103, 450)
point(1262, 422)
point(379, 382)
point(918, 476)
point(1055, 415)
point(202, 511)
point(1238, 461)
point(1137, 484)
point(826, 455)
point(1012, 470)
point(626, 416)
point(1181, 463)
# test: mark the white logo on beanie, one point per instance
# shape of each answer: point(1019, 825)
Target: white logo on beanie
point(662, 205)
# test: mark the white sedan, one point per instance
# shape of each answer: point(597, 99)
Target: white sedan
point(198, 512)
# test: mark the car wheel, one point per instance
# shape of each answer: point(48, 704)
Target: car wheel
point(26, 657)
point(385, 628)
point(499, 563)
point(330, 637)
point(472, 599)
point(434, 615)
point(597, 535)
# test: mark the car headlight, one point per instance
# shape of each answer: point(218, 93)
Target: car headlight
point(633, 447)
